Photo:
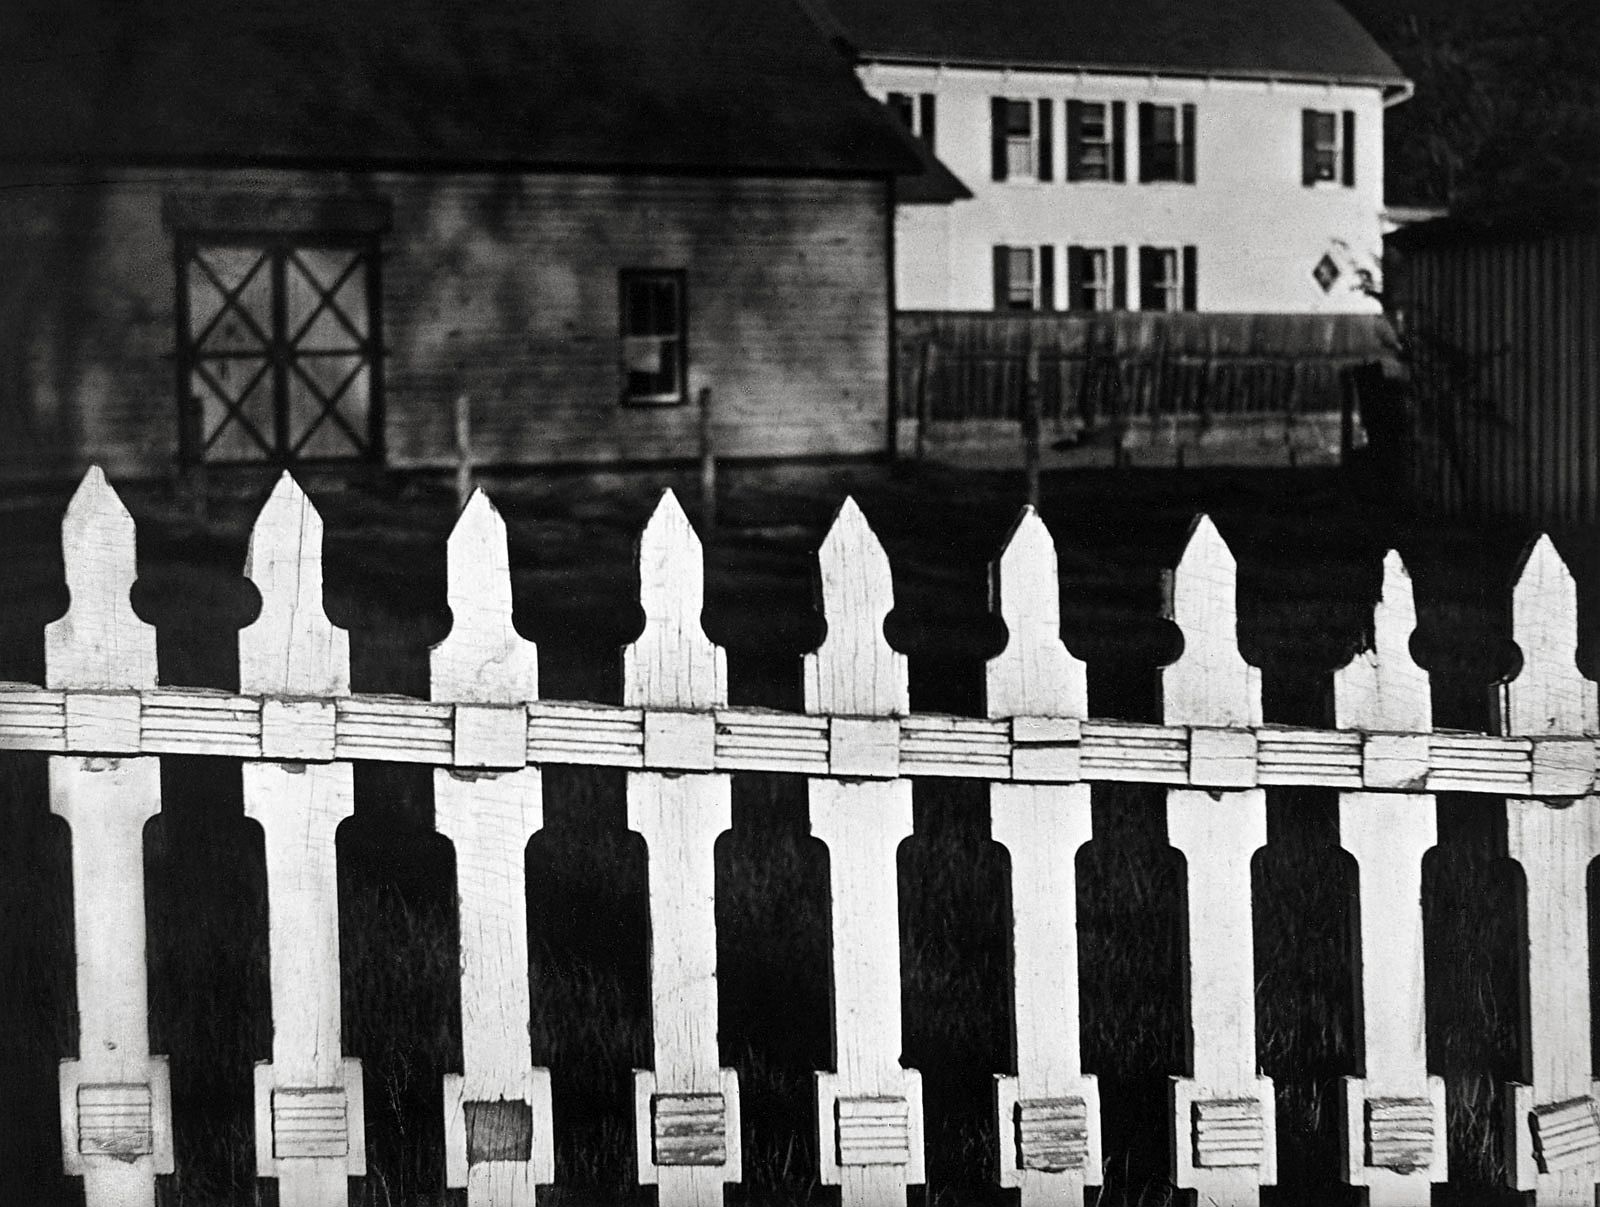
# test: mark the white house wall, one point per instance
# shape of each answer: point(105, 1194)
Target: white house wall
point(1259, 232)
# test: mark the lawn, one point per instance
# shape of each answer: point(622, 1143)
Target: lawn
point(1309, 544)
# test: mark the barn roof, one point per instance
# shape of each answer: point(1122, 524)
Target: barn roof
point(1309, 39)
point(641, 85)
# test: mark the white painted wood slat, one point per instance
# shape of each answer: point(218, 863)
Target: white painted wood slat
point(497, 1110)
point(292, 651)
point(1223, 1115)
point(862, 822)
point(687, 1107)
point(116, 1109)
point(1555, 846)
point(1395, 1114)
point(1049, 1113)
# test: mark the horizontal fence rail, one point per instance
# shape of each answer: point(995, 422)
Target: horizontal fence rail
point(297, 727)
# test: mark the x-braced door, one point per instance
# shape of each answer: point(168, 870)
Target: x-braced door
point(279, 350)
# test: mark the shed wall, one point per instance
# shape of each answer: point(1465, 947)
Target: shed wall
point(502, 287)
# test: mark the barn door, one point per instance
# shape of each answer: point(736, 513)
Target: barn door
point(278, 350)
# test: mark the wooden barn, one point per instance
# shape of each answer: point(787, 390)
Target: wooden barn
point(298, 231)
point(1502, 329)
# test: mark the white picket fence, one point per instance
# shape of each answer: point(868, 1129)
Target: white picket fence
point(297, 726)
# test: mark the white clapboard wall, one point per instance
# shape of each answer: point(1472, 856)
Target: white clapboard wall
point(104, 721)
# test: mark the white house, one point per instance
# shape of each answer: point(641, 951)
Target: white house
point(1151, 154)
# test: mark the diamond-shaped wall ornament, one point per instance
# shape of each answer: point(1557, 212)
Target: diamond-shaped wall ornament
point(1326, 272)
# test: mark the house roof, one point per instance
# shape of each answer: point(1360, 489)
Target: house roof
point(642, 85)
point(1309, 39)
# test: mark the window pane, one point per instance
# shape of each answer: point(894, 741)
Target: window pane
point(1164, 123)
point(1019, 118)
point(1092, 121)
point(1327, 129)
point(1094, 267)
point(900, 104)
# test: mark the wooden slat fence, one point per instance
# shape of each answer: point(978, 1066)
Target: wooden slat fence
point(105, 722)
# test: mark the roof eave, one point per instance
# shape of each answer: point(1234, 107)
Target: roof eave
point(1389, 83)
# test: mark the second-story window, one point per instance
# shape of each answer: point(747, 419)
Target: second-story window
point(1094, 140)
point(1327, 147)
point(1021, 139)
point(915, 111)
point(1166, 143)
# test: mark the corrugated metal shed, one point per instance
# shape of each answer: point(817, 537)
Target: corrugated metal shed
point(1503, 327)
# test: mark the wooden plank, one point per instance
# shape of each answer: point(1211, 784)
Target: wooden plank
point(1048, 1115)
point(116, 1113)
point(1394, 1150)
point(862, 823)
point(497, 1111)
point(1218, 832)
point(1555, 846)
point(292, 650)
point(674, 665)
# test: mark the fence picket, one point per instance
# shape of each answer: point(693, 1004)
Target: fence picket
point(1395, 1114)
point(1223, 1115)
point(1049, 1113)
point(498, 1141)
point(869, 1110)
point(116, 1112)
point(1553, 1121)
point(310, 1131)
point(687, 1107)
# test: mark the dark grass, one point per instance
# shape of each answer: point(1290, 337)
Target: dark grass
point(1309, 549)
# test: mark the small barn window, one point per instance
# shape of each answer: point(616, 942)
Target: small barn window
point(1327, 147)
point(654, 331)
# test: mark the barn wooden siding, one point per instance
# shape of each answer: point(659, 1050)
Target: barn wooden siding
point(501, 287)
point(1504, 334)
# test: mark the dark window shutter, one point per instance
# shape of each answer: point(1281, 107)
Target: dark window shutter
point(1308, 146)
point(1119, 160)
point(1074, 140)
point(1147, 279)
point(997, 137)
point(1119, 277)
point(900, 105)
point(1047, 170)
point(1047, 277)
point(1186, 171)
point(1349, 165)
point(1147, 138)
point(1074, 278)
point(927, 119)
point(1002, 277)
point(1191, 276)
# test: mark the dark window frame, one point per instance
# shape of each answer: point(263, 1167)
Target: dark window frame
point(679, 278)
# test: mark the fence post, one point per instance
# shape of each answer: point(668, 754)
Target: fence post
point(463, 422)
point(1049, 1113)
point(927, 359)
point(116, 1104)
point(1223, 1115)
point(687, 1108)
point(310, 1130)
point(1030, 425)
point(708, 464)
point(1395, 1114)
point(497, 1116)
point(869, 1111)
point(1552, 1126)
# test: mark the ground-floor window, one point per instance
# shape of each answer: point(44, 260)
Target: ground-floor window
point(1168, 278)
point(1097, 278)
point(655, 335)
point(278, 348)
point(1024, 278)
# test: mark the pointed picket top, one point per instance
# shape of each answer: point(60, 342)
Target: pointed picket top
point(1034, 675)
point(483, 659)
point(292, 648)
point(100, 642)
point(1549, 695)
point(673, 663)
point(1210, 683)
point(854, 670)
point(1382, 688)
